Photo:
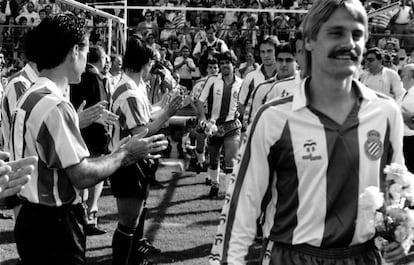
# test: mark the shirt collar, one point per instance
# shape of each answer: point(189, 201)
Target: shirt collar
point(300, 100)
point(31, 73)
point(49, 84)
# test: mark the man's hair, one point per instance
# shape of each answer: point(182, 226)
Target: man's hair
point(55, 37)
point(95, 54)
point(212, 61)
point(285, 48)
point(271, 40)
point(319, 13)
point(227, 56)
point(211, 26)
point(379, 54)
point(30, 46)
point(137, 54)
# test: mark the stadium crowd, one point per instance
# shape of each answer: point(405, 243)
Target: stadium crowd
point(221, 65)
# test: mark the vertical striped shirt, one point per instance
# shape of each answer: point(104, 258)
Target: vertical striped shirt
point(46, 125)
point(250, 82)
point(130, 102)
point(221, 101)
point(304, 173)
point(14, 90)
point(260, 95)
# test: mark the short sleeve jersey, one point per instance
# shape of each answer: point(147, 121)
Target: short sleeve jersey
point(130, 102)
point(46, 125)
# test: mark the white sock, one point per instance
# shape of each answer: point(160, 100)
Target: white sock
point(214, 175)
point(200, 158)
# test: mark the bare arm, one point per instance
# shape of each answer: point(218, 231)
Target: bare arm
point(93, 170)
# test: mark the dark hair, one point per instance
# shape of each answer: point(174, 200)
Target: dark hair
point(272, 40)
point(55, 37)
point(95, 54)
point(30, 46)
point(211, 26)
point(212, 61)
point(285, 48)
point(226, 56)
point(137, 54)
point(379, 54)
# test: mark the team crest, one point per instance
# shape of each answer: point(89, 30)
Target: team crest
point(373, 146)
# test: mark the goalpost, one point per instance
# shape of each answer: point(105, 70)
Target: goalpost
point(121, 23)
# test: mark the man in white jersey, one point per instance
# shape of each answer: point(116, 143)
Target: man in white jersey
point(221, 94)
point(50, 226)
point(306, 158)
point(266, 71)
point(212, 70)
point(286, 68)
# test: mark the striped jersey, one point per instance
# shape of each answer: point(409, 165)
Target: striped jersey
point(130, 102)
point(13, 91)
point(46, 125)
point(259, 95)
point(303, 174)
point(198, 87)
point(250, 82)
point(221, 101)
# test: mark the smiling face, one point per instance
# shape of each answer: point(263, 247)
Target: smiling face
point(337, 49)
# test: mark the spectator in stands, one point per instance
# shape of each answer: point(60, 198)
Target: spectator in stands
point(42, 14)
point(388, 38)
point(115, 72)
point(280, 28)
point(33, 18)
point(380, 78)
point(248, 65)
point(197, 30)
point(94, 89)
point(251, 32)
point(222, 28)
point(168, 32)
point(184, 66)
point(201, 53)
point(401, 18)
point(49, 227)
point(184, 37)
point(148, 25)
point(150, 39)
point(265, 25)
point(163, 58)
point(130, 184)
point(175, 48)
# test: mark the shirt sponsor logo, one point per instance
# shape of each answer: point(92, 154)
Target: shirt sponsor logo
point(373, 146)
point(310, 147)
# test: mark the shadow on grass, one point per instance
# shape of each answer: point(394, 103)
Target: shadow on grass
point(6, 237)
point(182, 255)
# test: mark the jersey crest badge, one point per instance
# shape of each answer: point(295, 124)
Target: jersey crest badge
point(373, 146)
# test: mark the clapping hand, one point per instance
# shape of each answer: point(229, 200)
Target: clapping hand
point(107, 118)
point(15, 174)
point(91, 114)
point(140, 148)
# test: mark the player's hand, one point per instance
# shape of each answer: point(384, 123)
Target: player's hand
point(91, 114)
point(394, 251)
point(174, 105)
point(15, 174)
point(107, 118)
point(139, 148)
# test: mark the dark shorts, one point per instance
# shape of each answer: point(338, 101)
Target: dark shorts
point(51, 235)
point(130, 181)
point(364, 254)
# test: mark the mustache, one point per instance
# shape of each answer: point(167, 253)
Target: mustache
point(344, 52)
